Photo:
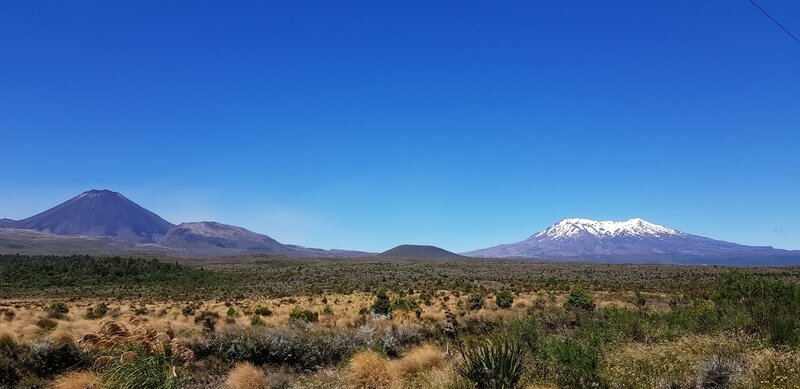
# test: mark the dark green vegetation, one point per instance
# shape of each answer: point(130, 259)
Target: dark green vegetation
point(230, 277)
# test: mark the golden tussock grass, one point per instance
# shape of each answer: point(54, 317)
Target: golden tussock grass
point(77, 380)
point(246, 376)
point(418, 360)
point(368, 370)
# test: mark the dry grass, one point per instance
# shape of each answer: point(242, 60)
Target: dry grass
point(774, 369)
point(78, 380)
point(246, 376)
point(368, 370)
point(418, 360)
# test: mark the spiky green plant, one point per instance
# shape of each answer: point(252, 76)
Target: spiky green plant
point(492, 365)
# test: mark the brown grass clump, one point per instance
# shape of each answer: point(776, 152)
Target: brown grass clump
point(368, 370)
point(77, 380)
point(246, 376)
point(418, 360)
point(8, 340)
point(112, 335)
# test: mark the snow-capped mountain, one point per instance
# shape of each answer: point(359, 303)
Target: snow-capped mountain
point(633, 241)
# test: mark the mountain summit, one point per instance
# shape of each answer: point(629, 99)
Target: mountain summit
point(632, 241)
point(571, 228)
point(99, 213)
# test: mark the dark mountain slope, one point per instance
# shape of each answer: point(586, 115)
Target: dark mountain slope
point(419, 251)
point(99, 213)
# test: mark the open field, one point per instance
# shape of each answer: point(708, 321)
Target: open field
point(260, 322)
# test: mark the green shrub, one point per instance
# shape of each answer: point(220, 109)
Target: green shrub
point(208, 319)
point(257, 321)
point(772, 306)
point(97, 312)
point(47, 324)
point(10, 374)
point(492, 365)
point(303, 315)
point(408, 304)
point(327, 310)
point(504, 299)
point(579, 299)
point(59, 307)
point(189, 309)
point(263, 311)
point(233, 313)
point(47, 358)
point(57, 310)
point(475, 301)
point(577, 365)
point(382, 305)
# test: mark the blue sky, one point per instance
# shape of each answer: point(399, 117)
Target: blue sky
point(365, 125)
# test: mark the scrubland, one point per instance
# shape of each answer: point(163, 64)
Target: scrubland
point(261, 322)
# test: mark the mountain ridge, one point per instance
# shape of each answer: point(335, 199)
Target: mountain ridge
point(632, 241)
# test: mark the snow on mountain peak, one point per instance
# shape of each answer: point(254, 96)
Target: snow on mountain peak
point(573, 227)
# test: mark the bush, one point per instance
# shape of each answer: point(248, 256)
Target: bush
point(47, 358)
point(579, 299)
point(382, 305)
point(208, 320)
point(303, 315)
point(772, 306)
point(492, 365)
point(504, 299)
point(577, 364)
point(257, 321)
point(10, 374)
point(263, 311)
point(233, 313)
point(47, 324)
point(97, 312)
point(475, 301)
point(57, 310)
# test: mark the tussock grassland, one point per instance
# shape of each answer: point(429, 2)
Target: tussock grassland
point(428, 325)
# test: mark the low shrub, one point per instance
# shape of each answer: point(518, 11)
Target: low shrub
point(46, 324)
point(48, 358)
point(382, 304)
point(263, 311)
point(257, 321)
point(303, 315)
point(579, 299)
point(96, 312)
point(573, 365)
point(504, 299)
point(208, 320)
point(475, 301)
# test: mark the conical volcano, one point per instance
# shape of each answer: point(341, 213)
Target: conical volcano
point(99, 213)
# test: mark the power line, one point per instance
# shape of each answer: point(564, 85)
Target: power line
point(775, 21)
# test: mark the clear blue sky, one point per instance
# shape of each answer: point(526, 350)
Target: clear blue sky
point(368, 124)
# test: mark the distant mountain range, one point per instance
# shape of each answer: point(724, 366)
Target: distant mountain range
point(633, 241)
point(102, 221)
